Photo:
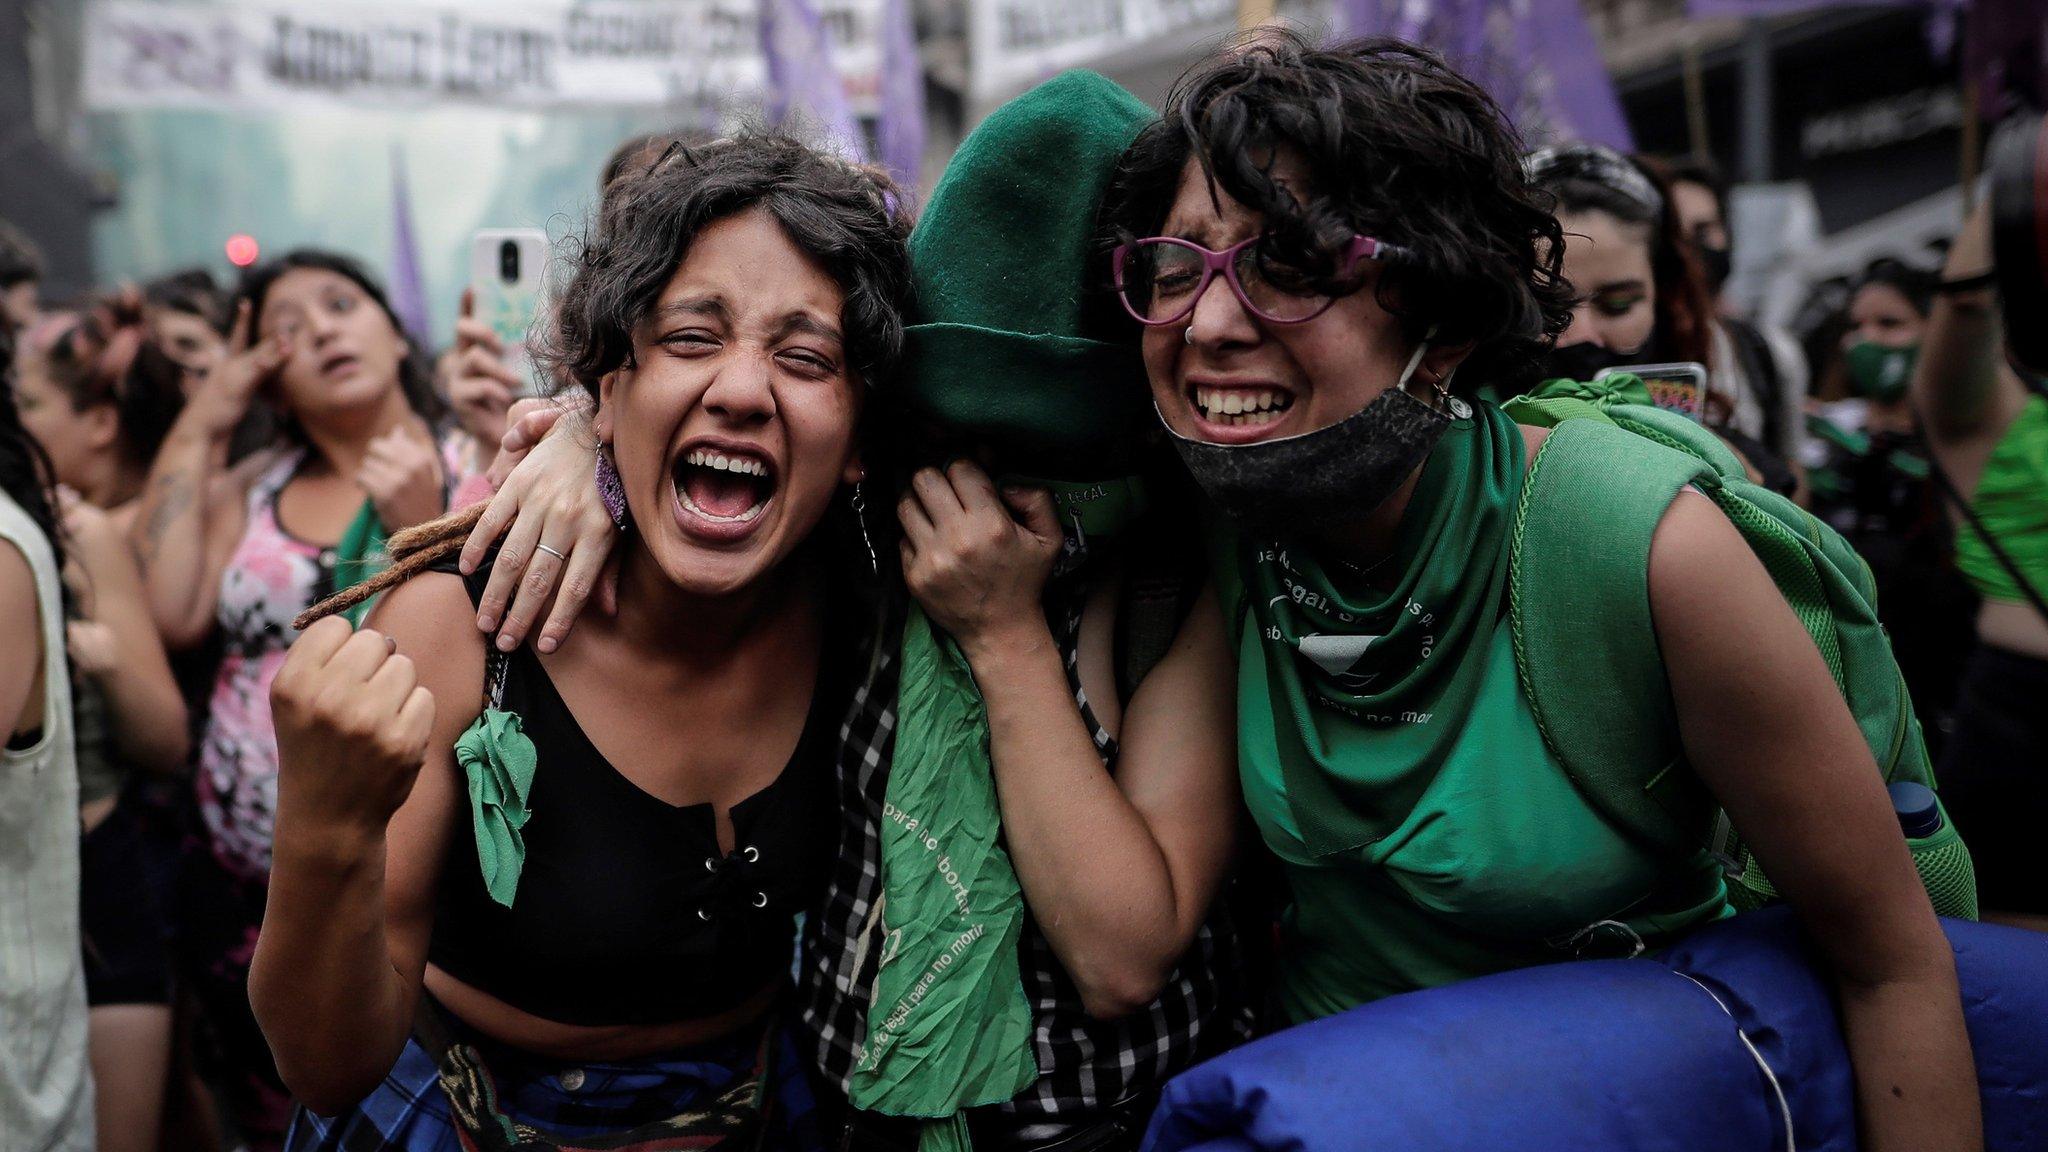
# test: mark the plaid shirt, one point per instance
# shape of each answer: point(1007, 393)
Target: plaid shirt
point(1084, 1064)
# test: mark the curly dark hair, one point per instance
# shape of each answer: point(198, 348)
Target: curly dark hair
point(1397, 145)
point(1582, 179)
point(415, 372)
point(847, 217)
point(844, 216)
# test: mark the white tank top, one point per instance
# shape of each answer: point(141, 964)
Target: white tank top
point(45, 1083)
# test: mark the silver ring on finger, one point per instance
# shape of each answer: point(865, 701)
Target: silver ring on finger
point(551, 552)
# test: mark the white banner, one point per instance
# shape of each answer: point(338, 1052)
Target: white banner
point(264, 57)
point(1015, 43)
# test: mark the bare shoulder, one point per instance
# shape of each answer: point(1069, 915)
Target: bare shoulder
point(1701, 566)
point(433, 623)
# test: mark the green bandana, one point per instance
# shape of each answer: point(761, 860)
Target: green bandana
point(359, 556)
point(1358, 693)
point(498, 760)
point(949, 1026)
point(1092, 507)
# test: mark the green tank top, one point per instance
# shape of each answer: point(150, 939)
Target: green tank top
point(1426, 833)
point(2012, 501)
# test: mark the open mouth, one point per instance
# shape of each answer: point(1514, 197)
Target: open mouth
point(1240, 407)
point(338, 365)
point(724, 486)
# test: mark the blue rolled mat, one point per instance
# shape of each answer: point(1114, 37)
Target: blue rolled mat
point(1611, 1056)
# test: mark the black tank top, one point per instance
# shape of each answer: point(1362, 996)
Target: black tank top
point(627, 912)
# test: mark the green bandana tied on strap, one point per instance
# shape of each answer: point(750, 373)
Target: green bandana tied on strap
point(1356, 694)
point(497, 758)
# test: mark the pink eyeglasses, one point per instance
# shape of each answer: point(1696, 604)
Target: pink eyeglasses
point(1160, 279)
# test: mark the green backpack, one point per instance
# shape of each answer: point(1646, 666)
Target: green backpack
point(1568, 584)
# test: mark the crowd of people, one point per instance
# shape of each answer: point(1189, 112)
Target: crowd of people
point(928, 674)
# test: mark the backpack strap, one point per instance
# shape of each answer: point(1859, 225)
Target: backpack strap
point(1585, 646)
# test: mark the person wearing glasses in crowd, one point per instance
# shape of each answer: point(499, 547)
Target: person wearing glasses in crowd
point(1033, 701)
point(1385, 256)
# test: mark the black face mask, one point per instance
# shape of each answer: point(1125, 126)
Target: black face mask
point(1716, 263)
point(1582, 362)
point(1323, 478)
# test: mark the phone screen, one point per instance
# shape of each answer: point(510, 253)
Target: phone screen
point(1678, 387)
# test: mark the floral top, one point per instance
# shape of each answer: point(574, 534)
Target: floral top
point(271, 578)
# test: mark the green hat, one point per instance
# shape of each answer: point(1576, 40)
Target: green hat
point(1008, 345)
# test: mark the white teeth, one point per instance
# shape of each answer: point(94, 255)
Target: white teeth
point(739, 465)
point(1221, 404)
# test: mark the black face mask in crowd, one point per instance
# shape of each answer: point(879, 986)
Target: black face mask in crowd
point(1326, 477)
point(1716, 263)
point(1582, 362)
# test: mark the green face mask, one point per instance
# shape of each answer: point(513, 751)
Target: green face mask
point(1878, 372)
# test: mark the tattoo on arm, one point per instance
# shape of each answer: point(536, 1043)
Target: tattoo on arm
point(172, 497)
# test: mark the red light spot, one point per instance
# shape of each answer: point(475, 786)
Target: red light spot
point(241, 249)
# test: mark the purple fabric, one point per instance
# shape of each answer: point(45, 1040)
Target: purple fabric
point(902, 120)
point(801, 79)
point(408, 291)
point(1538, 58)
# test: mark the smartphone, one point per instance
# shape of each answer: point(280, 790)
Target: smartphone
point(506, 266)
point(1679, 387)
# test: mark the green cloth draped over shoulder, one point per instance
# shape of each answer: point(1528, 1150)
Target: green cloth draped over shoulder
point(1007, 350)
point(2012, 501)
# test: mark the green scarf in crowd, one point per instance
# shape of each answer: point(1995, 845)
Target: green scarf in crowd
point(1356, 688)
point(1007, 351)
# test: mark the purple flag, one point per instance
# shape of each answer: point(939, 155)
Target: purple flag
point(1537, 57)
point(901, 129)
point(408, 293)
point(801, 79)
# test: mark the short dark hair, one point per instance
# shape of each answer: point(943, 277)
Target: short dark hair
point(20, 260)
point(1917, 285)
point(844, 216)
point(191, 291)
point(415, 372)
point(1399, 146)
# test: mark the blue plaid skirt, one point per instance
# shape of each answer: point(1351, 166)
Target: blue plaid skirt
point(410, 1113)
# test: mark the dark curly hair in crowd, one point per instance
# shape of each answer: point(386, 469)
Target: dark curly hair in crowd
point(1591, 178)
point(107, 357)
point(841, 215)
point(1397, 145)
point(415, 372)
point(844, 216)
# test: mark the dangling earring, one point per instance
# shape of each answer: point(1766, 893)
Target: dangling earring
point(860, 516)
point(609, 490)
